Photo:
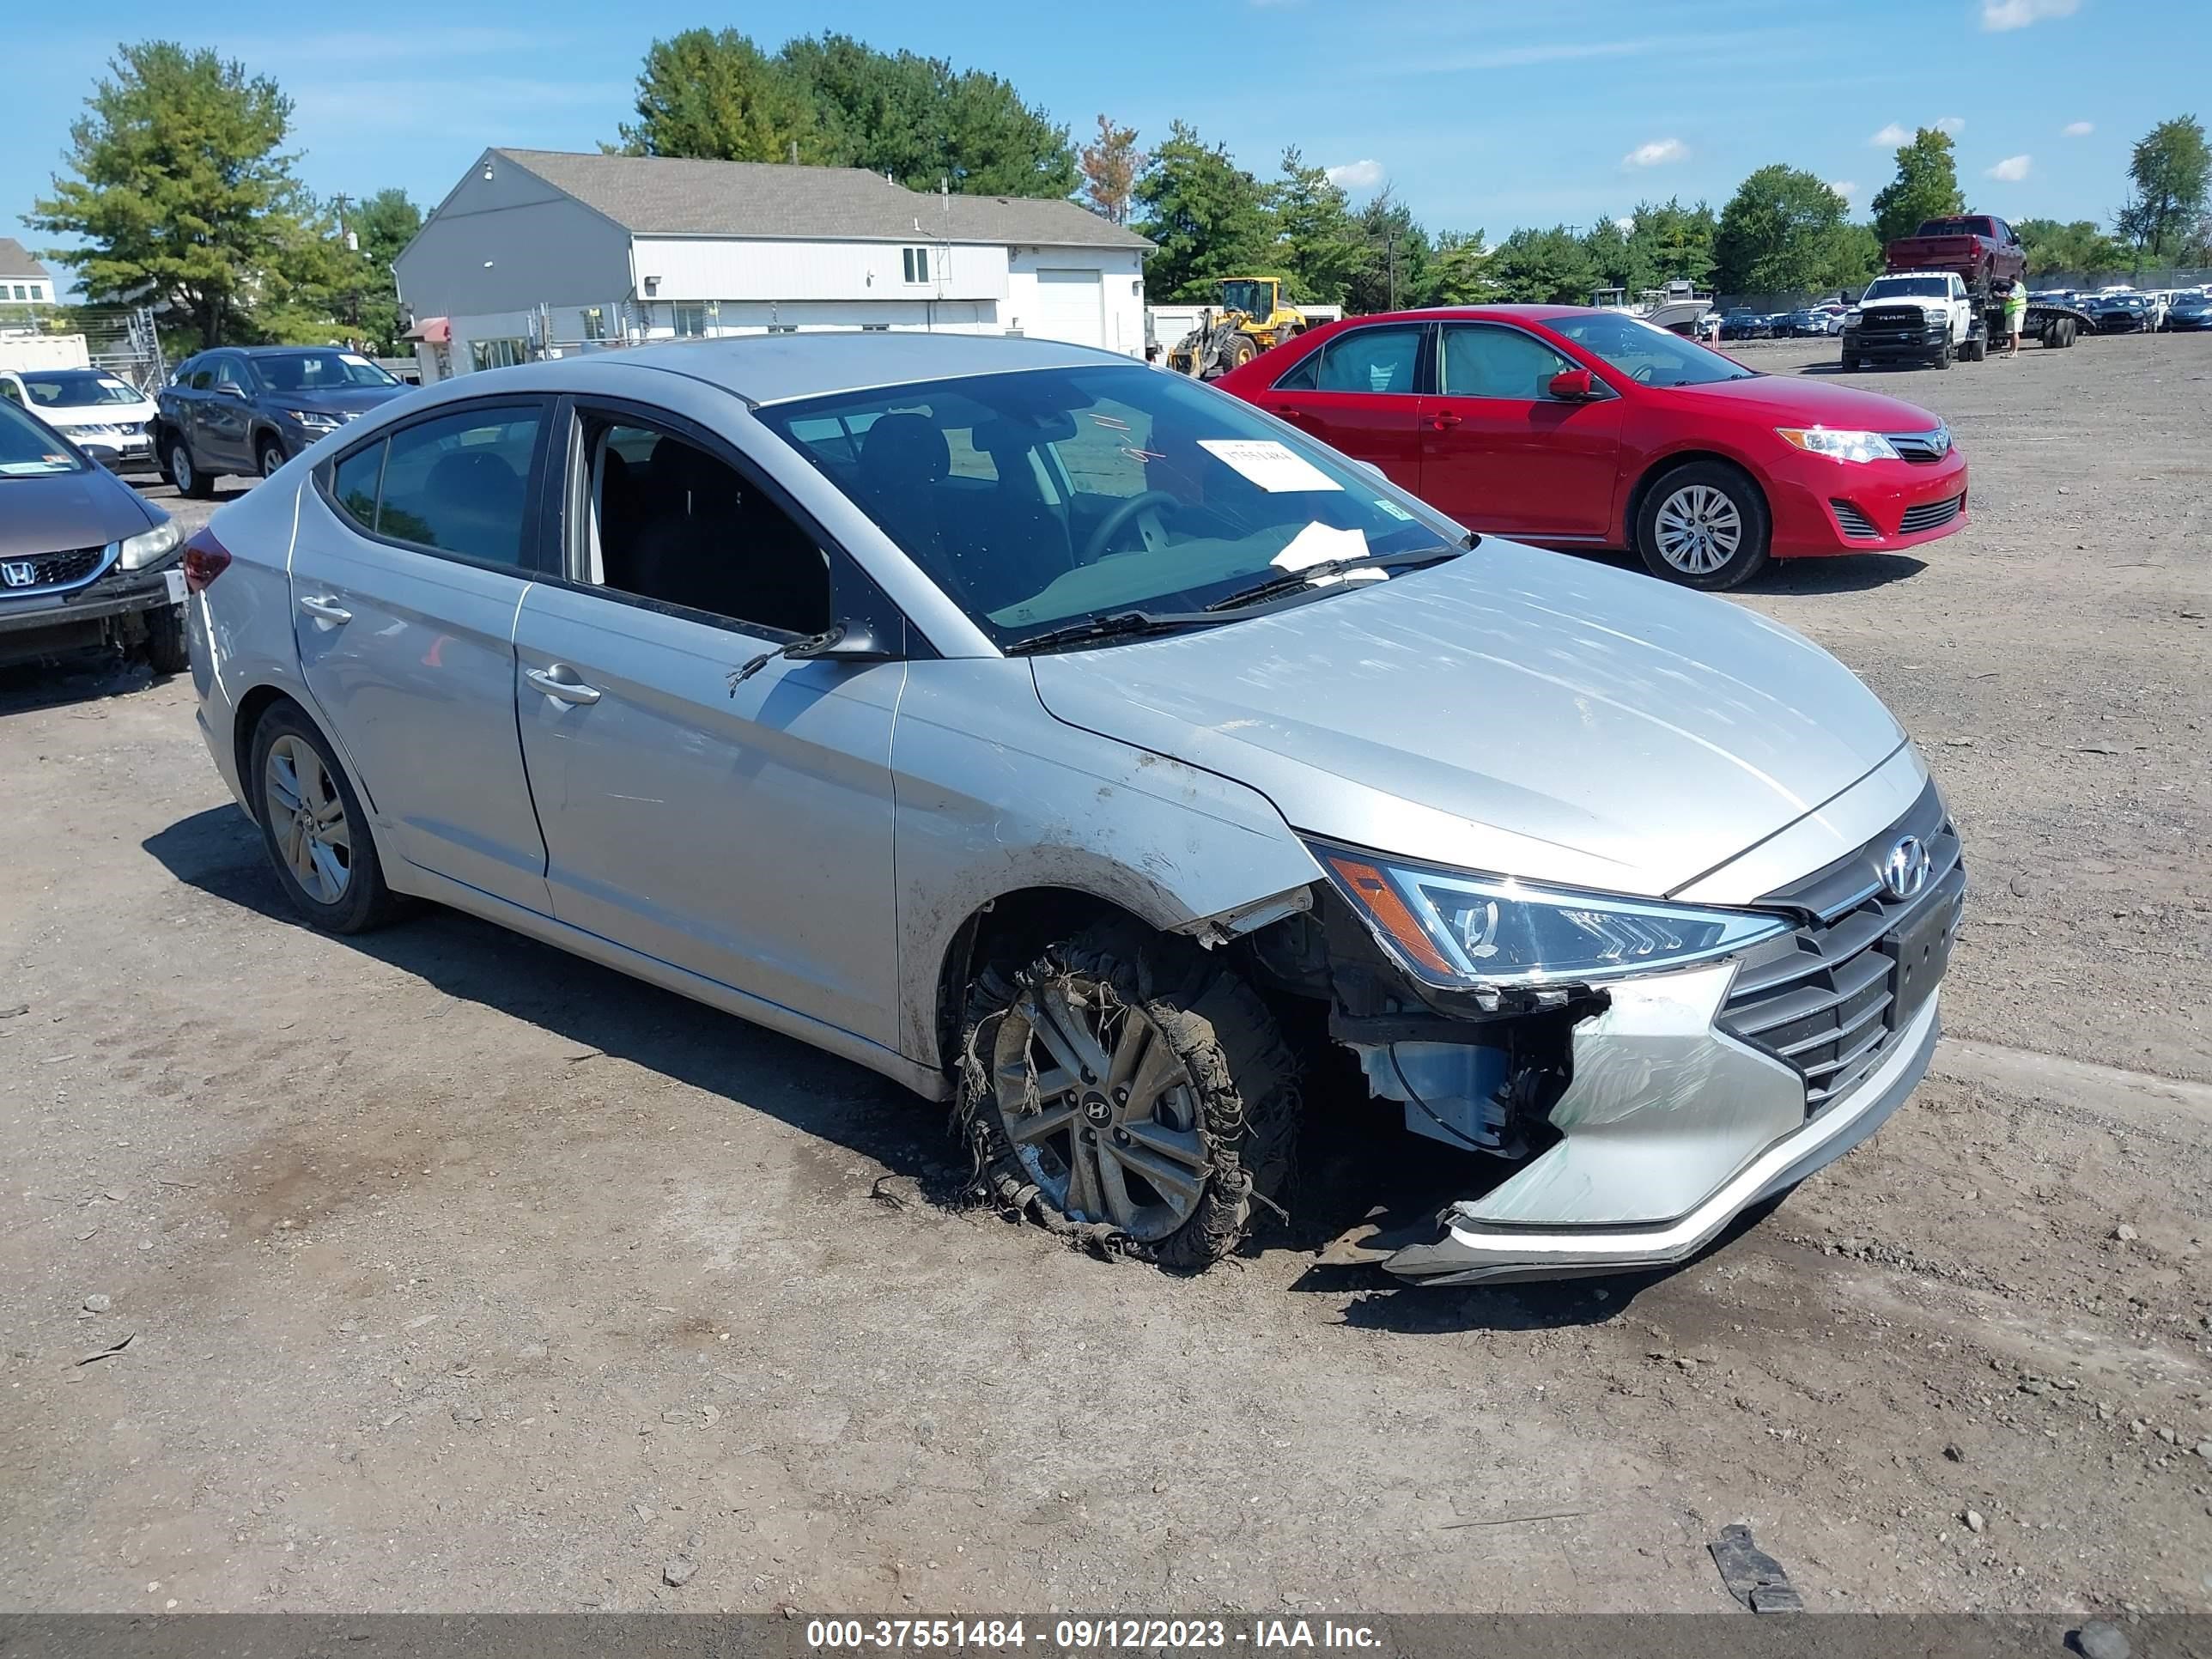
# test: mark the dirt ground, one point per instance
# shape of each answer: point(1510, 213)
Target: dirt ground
point(459, 1274)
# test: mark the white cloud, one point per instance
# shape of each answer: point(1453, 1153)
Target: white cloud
point(2012, 169)
point(2077, 129)
point(1356, 175)
point(1890, 137)
point(1846, 188)
point(2000, 14)
point(1951, 123)
point(1657, 153)
point(1626, 223)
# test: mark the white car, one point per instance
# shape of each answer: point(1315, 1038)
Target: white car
point(103, 414)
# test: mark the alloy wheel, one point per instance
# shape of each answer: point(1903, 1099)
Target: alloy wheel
point(1100, 1108)
point(180, 469)
point(309, 819)
point(1698, 530)
point(272, 461)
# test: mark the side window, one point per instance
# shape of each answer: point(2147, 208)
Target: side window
point(670, 522)
point(460, 483)
point(1484, 361)
point(1380, 359)
point(227, 373)
point(354, 483)
point(203, 376)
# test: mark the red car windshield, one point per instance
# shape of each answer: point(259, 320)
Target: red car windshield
point(1648, 356)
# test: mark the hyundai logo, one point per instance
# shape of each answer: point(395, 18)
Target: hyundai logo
point(19, 573)
point(1906, 871)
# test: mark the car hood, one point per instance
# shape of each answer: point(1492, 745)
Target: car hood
point(98, 414)
point(339, 400)
point(1513, 711)
point(68, 510)
point(1798, 400)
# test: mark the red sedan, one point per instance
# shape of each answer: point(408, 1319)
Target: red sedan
point(1574, 427)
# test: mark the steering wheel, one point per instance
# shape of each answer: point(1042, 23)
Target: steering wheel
point(1118, 520)
point(1643, 376)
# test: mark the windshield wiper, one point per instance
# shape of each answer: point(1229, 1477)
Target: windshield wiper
point(1291, 581)
point(1122, 625)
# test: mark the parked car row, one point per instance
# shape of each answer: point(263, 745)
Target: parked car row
point(2123, 310)
point(1742, 323)
point(1641, 895)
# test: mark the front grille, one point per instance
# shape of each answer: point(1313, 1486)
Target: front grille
point(1921, 447)
point(1929, 515)
point(47, 571)
point(1855, 523)
point(1895, 323)
point(1824, 998)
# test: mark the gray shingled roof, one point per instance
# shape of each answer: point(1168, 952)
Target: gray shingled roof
point(666, 196)
point(16, 259)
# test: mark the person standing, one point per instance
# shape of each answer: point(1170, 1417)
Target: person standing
point(2015, 309)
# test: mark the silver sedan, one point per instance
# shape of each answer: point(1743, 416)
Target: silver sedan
point(1076, 744)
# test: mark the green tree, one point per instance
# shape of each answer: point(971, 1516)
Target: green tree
point(1109, 165)
point(1785, 232)
point(1319, 244)
point(1543, 267)
point(718, 96)
point(1396, 270)
point(1926, 186)
point(183, 192)
point(1461, 272)
point(1669, 242)
point(925, 123)
point(2171, 172)
point(1612, 260)
point(1208, 215)
point(2081, 247)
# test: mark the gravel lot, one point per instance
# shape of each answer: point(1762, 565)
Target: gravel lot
point(459, 1275)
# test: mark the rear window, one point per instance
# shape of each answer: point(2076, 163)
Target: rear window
point(1970, 227)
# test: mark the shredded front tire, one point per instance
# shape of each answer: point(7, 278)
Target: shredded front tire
point(1129, 1092)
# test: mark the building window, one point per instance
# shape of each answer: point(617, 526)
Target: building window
point(22, 293)
point(690, 321)
point(595, 323)
point(37, 291)
point(917, 264)
point(498, 353)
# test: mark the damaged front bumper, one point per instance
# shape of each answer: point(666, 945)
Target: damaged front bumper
point(1607, 1162)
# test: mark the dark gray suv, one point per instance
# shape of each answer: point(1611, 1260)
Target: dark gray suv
point(249, 409)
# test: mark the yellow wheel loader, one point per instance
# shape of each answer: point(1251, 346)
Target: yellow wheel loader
point(1251, 318)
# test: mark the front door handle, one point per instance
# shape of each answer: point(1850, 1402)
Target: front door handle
point(561, 691)
point(329, 610)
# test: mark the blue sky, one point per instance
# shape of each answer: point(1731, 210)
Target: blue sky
point(1483, 115)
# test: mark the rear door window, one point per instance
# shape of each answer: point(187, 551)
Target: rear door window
point(460, 484)
point(1371, 359)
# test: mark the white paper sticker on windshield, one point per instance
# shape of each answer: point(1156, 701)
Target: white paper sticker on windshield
point(1319, 543)
point(1395, 510)
point(1269, 465)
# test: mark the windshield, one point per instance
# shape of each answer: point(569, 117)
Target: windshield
point(320, 371)
point(78, 388)
point(1907, 288)
point(1048, 498)
point(1253, 299)
point(1648, 355)
point(27, 449)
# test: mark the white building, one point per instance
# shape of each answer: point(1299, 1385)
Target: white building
point(541, 252)
point(23, 280)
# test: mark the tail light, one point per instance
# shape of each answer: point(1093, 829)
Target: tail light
point(206, 558)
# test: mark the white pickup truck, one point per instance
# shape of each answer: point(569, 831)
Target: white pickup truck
point(1913, 317)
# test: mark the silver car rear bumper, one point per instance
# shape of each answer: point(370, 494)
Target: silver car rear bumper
point(1473, 1251)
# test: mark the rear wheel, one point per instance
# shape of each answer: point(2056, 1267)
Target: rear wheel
point(188, 478)
point(1128, 1090)
point(313, 828)
point(1704, 525)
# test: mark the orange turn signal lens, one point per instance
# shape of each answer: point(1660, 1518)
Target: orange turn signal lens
point(1374, 891)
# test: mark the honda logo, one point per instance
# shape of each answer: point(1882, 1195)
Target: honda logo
point(19, 573)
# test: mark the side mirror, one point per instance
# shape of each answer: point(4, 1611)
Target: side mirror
point(1573, 385)
point(843, 640)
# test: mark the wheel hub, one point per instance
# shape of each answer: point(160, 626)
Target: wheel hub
point(1100, 1108)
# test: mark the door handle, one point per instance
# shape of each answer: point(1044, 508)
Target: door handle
point(560, 689)
point(1444, 420)
point(327, 610)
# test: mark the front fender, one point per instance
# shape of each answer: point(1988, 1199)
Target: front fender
point(995, 796)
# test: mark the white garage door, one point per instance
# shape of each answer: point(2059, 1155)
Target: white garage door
point(1069, 307)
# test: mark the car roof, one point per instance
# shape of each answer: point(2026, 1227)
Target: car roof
point(1511, 312)
point(770, 369)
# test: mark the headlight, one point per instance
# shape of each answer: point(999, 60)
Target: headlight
point(1452, 929)
point(315, 421)
point(1837, 446)
point(1851, 318)
point(149, 547)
